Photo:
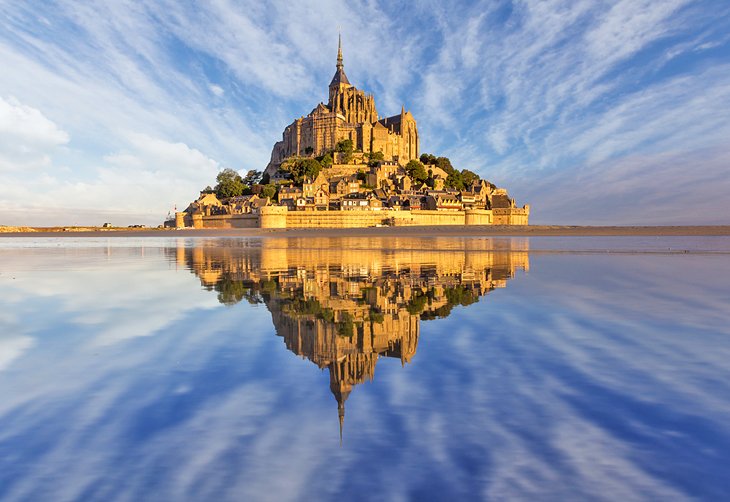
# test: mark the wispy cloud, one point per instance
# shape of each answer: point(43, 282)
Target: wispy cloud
point(518, 91)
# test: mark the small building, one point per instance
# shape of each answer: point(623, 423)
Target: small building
point(288, 195)
point(309, 187)
point(355, 201)
point(442, 201)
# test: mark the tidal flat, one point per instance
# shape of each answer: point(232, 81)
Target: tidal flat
point(365, 368)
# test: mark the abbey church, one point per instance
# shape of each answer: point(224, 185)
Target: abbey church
point(349, 114)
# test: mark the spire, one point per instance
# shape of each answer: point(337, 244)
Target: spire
point(340, 66)
point(340, 77)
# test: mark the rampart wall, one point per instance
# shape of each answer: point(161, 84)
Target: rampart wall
point(280, 217)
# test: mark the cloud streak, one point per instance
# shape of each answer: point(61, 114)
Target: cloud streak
point(522, 92)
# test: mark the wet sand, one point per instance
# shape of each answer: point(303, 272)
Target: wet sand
point(416, 231)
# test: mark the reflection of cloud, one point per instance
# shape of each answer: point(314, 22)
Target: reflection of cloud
point(595, 376)
point(12, 347)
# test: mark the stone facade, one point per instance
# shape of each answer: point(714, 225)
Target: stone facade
point(349, 114)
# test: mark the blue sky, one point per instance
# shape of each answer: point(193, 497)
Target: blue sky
point(593, 112)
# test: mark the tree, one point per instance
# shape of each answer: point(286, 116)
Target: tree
point(230, 184)
point(208, 189)
point(301, 168)
point(454, 180)
point(345, 147)
point(469, 177)
point(416, 170)
point(269, 191)
point(265, 179)
point(375, 158)
point(445, 164)
point(253, 177)
point(326, 160)
point(427, 158)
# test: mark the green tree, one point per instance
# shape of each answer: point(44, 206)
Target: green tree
point(346, 147)
point(454, 180)
point(416, 170)
point(269, 191)
point(428, 159)
point(253, 177)
point(208, 189)
point(445, 164)
point(375, 158)
point(301, 168)
point(326, 160)
point(230, 184)
point(469, 177)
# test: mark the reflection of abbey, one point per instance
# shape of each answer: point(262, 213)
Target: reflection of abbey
point(344, 304)
point(349, 114)
point(345, 166)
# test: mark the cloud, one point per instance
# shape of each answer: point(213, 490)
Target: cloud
point(27, 137)
point(142, 182)
point(516, 91)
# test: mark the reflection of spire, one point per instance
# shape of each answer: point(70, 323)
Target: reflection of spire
point(341, 415)
point(341, 390)
point(417, 283)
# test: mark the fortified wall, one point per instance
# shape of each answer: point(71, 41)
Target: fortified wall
point(281, 217)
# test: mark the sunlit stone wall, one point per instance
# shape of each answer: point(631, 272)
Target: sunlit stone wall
point(280, 217)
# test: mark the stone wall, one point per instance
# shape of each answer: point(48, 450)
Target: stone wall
point(337, 219)
point(512, 216)
point(280, 217)
point(230, 221)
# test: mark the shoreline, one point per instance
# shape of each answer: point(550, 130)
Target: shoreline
point(405, 231)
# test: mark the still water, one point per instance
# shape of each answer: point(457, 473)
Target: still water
point(365, 369)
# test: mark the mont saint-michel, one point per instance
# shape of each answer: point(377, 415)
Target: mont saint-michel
point(346, 166)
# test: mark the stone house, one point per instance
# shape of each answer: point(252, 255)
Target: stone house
point(341, 186)
point(442, 201)
point(289, 194)
point(355, 201)
point(309, 187)
point(321, 199)
point(415, 202)
point(207, 204)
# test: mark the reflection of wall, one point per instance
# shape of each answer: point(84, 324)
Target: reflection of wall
point(344, 302)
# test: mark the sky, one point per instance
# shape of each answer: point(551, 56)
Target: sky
point(592, 112)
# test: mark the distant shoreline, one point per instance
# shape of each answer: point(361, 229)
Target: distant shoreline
point(405, 231)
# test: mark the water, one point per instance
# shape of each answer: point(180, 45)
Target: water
point(372, 369)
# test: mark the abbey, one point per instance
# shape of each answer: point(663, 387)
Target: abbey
point(349, 114)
